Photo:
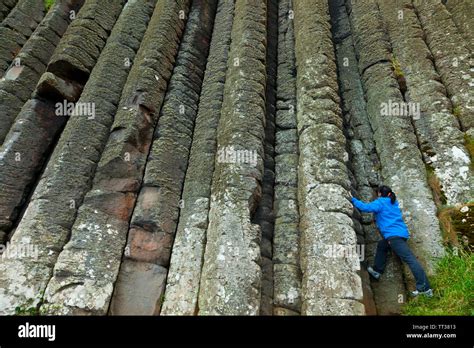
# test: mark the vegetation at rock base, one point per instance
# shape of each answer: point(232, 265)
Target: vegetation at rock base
point(453, 282)
point(453, 287)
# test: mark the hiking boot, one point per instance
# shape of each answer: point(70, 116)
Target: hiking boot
point(427, 293)
point(374, 274)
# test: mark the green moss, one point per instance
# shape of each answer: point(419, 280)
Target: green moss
point(469, 143)
point(27, 309)
point(435, 185)
point(453, 287)
point(397, 68)
point(48, 4)
point(457, 111)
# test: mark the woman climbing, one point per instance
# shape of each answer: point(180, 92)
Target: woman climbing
point(388, 218)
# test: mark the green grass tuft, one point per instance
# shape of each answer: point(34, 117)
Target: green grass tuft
point(453, 287)
point(48, 4)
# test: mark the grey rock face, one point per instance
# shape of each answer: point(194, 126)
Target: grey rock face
point(23, 74)
point(17, 27)
point(51, 211)
point(437, 128)
point(452, 58)
point(323, 181)
point(231, 275)
point(188, 250)
point(287, 274)
point(155, 216)
point(178, 157)
point(88, 266)
point(396, 143)
point(379, 297)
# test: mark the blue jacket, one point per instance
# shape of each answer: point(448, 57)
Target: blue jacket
point(388, 216)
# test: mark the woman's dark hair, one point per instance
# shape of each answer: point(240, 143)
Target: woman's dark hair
point(386, 191)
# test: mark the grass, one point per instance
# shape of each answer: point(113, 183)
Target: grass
point(457, 111)
point(457, 223)
point(453, 287)
point(48, 4)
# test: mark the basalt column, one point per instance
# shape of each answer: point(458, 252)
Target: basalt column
point(331, 284)
point(286, 265)
point(46, 223)
point(231, 275)
point(438, 130)
point(88, 266)
point(380, 297)
point(142, 277)
point(184, 273)
point(396, 143)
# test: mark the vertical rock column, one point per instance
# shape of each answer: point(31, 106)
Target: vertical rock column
point(461, 11)
point(264, 215)
point(30, 63)
point(35, 127)
point(396, 143)
point(142, 277)
point(330, 285)
point(231, 275)
point(442, 143)
point(5, 7)
point(365, 165)
point(452, 58)
point(286, 269)
point(50, 214)
point(87, 267)
point(17, 27)
point(184, 273)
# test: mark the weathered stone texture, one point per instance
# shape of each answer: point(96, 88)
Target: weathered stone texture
point(287, 274)
point(452, 58)
point(5, 7)
point(188, 250)
point(155, 216)
point(442, 143)
point(21, 77)
point(231, 275)
point(52, 209)
point(88, 266)
point(16, 28)
point(77, 53)
point(330, 283)
point(396, 143)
